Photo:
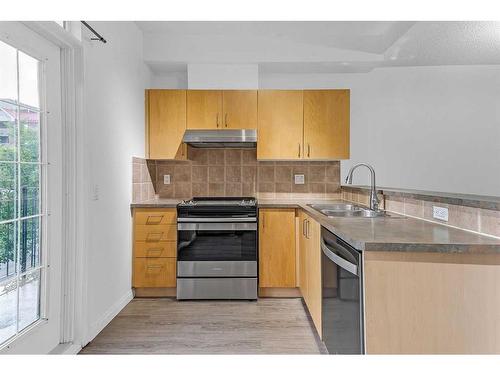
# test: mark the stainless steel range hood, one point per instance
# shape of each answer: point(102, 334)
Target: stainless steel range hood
point(228, 138)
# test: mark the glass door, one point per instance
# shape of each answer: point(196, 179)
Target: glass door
point(25, 226)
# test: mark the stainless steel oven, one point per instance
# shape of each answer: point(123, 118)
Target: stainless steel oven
point(217, 249)
point(342, 296)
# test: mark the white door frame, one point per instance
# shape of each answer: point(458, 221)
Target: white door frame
point(74, 322)
point(45, 333)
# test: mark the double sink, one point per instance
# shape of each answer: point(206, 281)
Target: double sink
point(350, 210)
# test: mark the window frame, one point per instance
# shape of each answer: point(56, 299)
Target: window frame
point(45, 332)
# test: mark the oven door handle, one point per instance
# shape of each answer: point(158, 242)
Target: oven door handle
point(339, 261)
point(217, 226)
point(216, 220)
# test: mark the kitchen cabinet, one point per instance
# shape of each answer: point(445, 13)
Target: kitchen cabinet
point(310, 267)
point(280, 124)
point(165, 124)
point(155, 251)
point(326, 124)
point(222, 109)
point(309, 124)
point(239, 108)
point(204, 109)
point(432, 303)
point(277, 248)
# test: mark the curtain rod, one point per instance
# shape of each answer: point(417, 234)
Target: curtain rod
point(99, 36)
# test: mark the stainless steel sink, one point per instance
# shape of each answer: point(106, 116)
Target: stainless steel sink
point(350, 210)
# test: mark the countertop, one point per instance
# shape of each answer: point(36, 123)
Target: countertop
point(380, 234)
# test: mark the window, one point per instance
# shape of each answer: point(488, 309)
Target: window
point(21, 209)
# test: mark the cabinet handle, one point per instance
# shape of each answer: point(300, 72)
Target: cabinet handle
point(307, 231)
point(299, 150)
point(154, 237)
point(263, 220)
point(157, 250)
point(225, 120)
point(154, 219)
point(304, 227)
point(154, 266)
point(308, 150)
point(217, 120)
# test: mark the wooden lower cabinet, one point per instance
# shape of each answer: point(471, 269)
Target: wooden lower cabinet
point(432, 303)
point(155, 251)
point(277, 248)
point(155, 272)
point(310, 267)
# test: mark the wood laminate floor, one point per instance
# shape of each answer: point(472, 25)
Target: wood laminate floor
point(167, 326)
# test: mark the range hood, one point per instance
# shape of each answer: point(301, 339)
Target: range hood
point(228, 138)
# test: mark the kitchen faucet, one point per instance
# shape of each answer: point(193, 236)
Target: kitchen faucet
point(373, 191)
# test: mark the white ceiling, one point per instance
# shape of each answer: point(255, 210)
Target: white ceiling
point(319, 47)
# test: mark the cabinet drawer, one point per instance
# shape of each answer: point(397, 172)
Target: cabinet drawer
point(164, 249)
point(155, 217)
point(155, 233)
point(154, 272)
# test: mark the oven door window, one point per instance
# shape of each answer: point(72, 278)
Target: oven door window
point(198, 242)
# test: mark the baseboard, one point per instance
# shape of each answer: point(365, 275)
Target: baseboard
point(155, 292)
point(280, 292)
point(68, 349)
point(109, 315)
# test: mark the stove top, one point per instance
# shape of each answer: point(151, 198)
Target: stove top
point(219, 201)
point(220, 207)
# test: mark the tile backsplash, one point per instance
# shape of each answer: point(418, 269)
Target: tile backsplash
point(236, 172)
point(142, 181)
point(478, 220)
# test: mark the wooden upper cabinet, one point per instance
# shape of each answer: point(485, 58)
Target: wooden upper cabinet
point(204, 109)
point(326, 124)
point(240, 109)
point(277, 248)
point(280, 124)
point(166, 123)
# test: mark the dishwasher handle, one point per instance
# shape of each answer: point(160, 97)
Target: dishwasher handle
point(338, 260)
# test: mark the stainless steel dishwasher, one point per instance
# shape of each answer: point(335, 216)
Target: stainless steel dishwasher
point(342, 296)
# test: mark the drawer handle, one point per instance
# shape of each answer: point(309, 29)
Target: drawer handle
point(154, 237)
point(154, 219)
point(158, 250)
point(154, 266)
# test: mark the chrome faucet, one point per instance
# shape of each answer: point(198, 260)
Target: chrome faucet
point(373, 191)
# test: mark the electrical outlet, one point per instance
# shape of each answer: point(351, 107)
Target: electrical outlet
point(440, 213)
point(299, 179)
point(166, 179)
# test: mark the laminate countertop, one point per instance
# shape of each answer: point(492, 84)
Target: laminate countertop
point(397, 233)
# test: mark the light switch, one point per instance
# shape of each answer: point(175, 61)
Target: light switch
point(299, 179)
point(166, 179)
point(95, 192)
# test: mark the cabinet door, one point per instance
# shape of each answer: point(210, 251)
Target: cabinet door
point(277, 248)
point(303, 256)
point(240, 109)
point(326, 124)
point(280, 125)
point(313, 265)
point(166, 123)
point(204, 109)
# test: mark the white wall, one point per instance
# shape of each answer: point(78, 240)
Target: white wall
point(115, 79)
point(223, 76)
point(431, 128)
